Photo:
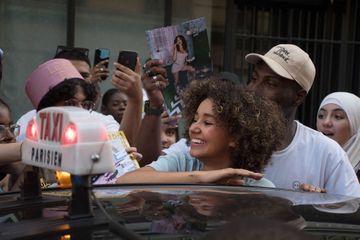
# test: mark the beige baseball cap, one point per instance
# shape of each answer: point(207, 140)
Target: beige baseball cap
point(288, 61)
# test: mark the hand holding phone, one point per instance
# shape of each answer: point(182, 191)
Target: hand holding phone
point(102, 54)
point(128, 59)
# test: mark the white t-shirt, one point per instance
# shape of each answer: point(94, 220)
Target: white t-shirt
point(310, 158)
point(110, 123)
point(315, 159)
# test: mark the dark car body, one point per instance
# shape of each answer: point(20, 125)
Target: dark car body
point(175, 212)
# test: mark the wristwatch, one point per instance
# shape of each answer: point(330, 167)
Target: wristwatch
point(152, 111)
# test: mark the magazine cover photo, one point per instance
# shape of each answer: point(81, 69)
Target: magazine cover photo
point(185, 51)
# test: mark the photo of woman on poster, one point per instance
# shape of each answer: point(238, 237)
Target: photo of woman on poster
point(180, 58)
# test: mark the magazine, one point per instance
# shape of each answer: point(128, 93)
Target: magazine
point(123, 161)
point(185, 51)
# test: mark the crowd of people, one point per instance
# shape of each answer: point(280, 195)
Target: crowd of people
point(233, 133)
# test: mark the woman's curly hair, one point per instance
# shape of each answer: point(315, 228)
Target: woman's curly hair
point(257, 124)
point(66, 90)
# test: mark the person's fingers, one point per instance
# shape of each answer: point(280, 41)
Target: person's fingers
point(101, 71)
point(137, 66)
point(156, 70)
point(167, 118)
point(130, 149)
point(120, 83)
point(231, 181)
point(102, 77)
point(305, 187)
point(247, 173)
point(100, 67)
point(318, 189)
point(119, 77)
point(133, 151)
point(102, 63)
point(152, 62)
point(312, 188)
point(160, 82)
point(239, 172)
point(123, 68)
point(104, 74)
point(137, 156)
point(164, 115)
point(162, 79)
point(170, 120)
point(154, 67)
point(235, 181)
point(155, 83)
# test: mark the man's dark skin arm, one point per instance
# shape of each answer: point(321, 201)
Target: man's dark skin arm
point(129, 82)
point(148, 142)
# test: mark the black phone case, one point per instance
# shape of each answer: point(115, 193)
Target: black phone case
point(128, 59)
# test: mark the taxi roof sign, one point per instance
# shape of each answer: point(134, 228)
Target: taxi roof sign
point(67, 139)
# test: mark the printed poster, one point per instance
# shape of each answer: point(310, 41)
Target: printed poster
point(185, 50)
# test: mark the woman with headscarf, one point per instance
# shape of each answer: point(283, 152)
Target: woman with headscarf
point(339, 118)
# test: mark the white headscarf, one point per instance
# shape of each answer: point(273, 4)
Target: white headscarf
point(350, 103)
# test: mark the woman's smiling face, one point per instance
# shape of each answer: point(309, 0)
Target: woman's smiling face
point(209, 141)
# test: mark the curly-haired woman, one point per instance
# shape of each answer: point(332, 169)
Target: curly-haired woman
point(232, 134)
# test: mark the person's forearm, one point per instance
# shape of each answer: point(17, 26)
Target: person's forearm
point(149, 175)
point(131, 120)
point(13, 168)
point(148, 143)
point(9, 153)
point(152, 176)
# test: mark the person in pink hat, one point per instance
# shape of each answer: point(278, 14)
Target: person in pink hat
point(46, 87)
point(58, 83)
point(306, 159)
point(42, 88)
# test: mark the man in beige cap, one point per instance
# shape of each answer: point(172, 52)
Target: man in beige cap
point(306, 158)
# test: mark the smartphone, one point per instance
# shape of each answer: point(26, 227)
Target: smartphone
point(128, 59)
point(102, 54)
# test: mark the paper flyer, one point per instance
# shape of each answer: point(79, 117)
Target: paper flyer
point(123, 161)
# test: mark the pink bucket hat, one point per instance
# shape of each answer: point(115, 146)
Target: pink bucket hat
point(288, 61)
point(48, 75)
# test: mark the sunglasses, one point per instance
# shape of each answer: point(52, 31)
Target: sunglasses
point(87, 104)
point(14, 129)
point(84, 51)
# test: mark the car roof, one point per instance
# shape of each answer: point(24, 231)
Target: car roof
point(175, 210)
